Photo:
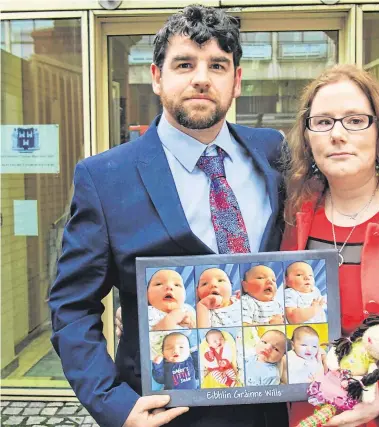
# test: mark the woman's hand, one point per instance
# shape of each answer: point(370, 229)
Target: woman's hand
point(361, 413)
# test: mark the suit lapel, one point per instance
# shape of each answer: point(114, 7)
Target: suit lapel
point(272, 178)
point(157, 178)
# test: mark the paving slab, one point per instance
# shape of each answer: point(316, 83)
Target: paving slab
point(12, 411)
point(32, 411)
point(12, 421)
point(50, 414)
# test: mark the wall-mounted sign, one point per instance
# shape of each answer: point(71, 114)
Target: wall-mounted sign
point(25, 217)
point(29, 149)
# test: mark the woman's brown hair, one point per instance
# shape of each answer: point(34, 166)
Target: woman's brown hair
point(301, 184)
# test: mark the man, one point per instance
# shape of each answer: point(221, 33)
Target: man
point(151, 197)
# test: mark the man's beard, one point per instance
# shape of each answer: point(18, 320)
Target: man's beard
point(205, 122)
point(184, 118)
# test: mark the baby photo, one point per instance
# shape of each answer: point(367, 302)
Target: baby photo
point(307, 357)
point(171, 298)
point(249, 327)
point(305, 293)
point(221, 358)
point(262, 294)
point(175, 366)
point(218, 295)
point(265, 349)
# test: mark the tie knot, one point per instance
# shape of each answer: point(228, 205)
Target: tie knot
point(213, 166)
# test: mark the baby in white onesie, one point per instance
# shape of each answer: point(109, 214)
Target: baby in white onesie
point(259, 305)
point(307, 358)
point(303, 300)
point(167, 309)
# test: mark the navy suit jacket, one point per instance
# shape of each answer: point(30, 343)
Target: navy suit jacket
point(125, 205)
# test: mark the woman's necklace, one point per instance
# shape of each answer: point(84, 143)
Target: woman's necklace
point(354, 218)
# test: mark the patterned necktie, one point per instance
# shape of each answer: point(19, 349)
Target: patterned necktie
point(226, 216)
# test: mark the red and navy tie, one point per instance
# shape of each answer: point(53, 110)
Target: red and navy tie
point(228, 224)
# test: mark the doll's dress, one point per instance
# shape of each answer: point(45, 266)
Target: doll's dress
point(327, 389)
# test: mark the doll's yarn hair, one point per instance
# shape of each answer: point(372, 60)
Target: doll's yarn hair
point(343, 345)
point(355, 387)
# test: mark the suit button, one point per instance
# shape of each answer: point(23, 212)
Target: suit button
point(372, 307)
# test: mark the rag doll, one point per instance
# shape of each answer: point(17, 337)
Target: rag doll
point(352, 376)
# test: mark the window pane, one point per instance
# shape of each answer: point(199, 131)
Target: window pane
point(275, 72)
point(371, 42)
point(41, 141)
point(256, 37)
point(22, 31)
point(133, 103)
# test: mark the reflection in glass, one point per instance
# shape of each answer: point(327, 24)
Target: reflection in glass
point(41, 89)
point(371, 42)
point(276, 66)
point(133, 104)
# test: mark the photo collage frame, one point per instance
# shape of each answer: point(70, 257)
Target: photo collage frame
point(241, 328)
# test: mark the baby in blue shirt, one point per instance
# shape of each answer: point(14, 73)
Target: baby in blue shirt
point(264, 363)
point(177, 369)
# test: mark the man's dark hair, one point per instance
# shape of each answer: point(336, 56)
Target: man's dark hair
point(200, 24)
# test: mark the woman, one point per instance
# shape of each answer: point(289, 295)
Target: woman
point(333, 198)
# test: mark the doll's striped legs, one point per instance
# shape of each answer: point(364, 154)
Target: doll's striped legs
point(320, 417)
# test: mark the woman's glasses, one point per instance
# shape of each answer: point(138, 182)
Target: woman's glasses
point(352, 122)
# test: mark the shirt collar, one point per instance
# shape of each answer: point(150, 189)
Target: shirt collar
point(186, 149)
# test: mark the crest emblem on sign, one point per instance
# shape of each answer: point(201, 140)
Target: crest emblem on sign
point(25, 140)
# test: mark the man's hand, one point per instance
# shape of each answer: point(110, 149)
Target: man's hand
point(149, 411)
point(118, 323)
